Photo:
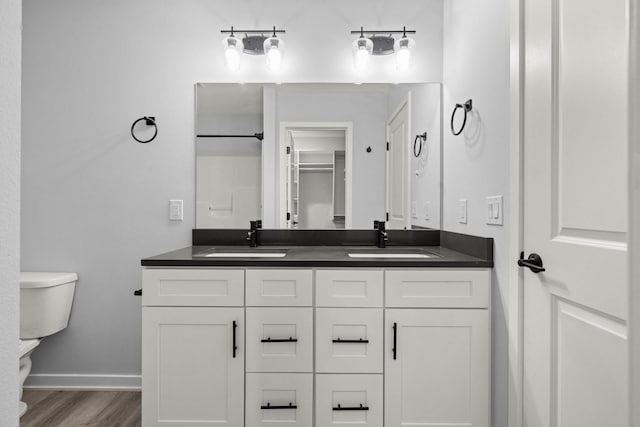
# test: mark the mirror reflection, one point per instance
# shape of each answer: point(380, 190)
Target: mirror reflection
point(318, 156)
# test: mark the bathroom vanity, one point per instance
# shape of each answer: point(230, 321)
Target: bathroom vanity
point(331, 335)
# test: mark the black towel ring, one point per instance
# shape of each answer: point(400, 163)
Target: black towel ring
point(466, 107)
point(150, 121)
point(422, 138)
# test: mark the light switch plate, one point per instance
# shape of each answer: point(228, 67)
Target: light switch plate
point(175, 210)
point(494, 210)
point(414, 210)
point(462, 211)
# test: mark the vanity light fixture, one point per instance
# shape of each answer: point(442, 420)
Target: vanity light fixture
point(254, 42)
point(381, 42)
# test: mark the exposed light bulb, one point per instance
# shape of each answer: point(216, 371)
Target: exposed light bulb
point(404, 52)
point(362, 49)
point(232, 52)
point(274, 50)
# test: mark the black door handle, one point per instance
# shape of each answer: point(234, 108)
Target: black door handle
point(533, 262)
point(290, 339)
point(395, 340)
point(350, 408)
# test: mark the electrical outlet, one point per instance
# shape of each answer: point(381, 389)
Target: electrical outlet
point(175, 210)
point(462, 211)
point(427, 211)
point(414, 210)
point(494, 210)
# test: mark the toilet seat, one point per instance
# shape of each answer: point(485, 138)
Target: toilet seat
point(25, 346)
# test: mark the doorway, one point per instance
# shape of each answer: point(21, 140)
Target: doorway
point(315, 175)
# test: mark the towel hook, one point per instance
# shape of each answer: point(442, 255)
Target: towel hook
point(466, 107)
point(149, 121)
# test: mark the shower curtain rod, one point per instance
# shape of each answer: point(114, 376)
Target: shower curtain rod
point(259, 136)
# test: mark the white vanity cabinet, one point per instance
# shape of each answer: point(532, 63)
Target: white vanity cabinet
point(437, 361)
point(193, 356)
point(314, 347)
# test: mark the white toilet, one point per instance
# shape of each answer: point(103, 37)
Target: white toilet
point(45, 306)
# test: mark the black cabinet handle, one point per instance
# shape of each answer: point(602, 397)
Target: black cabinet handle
point(279, 340)
point(351, 408)
point(395, 339)
point(268, 406)
point(235, 347)
point(358, 341)
point(533, 262)
point(137, 293)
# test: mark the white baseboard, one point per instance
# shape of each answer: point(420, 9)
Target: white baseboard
point(83, 382)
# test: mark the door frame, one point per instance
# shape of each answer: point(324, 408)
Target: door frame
point(347, 127)
point(516, 193)
point(406, 101)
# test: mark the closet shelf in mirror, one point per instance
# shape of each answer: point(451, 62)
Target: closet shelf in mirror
point(315, 167)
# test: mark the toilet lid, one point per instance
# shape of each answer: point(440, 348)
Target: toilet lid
point(42, 279)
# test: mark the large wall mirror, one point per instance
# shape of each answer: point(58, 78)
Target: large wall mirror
point(318, 156)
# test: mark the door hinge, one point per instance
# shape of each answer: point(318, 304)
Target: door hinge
point(288, 150)
point(387, 145)
point(387, 216)
point(288, 216)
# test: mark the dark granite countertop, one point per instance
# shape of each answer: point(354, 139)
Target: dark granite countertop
point(445, 250)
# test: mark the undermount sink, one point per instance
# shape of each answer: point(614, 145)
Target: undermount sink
point(243, 253)
point(390, 253)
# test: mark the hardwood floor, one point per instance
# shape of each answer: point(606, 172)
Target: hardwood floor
point(53, 408)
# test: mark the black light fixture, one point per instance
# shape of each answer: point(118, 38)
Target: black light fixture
point(382, 42)
point(254, 42)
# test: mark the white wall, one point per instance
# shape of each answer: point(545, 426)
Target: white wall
point(95, 201)
point(476, 165)
point(10, 35)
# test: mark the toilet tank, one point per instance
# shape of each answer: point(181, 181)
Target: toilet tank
point(45, 302)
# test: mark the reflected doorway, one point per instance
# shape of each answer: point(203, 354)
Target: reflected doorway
point(315, 175)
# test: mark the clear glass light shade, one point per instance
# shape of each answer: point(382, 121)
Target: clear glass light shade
point(232, 52)
point(274, 51)
point(362, 49)
point(404, 52)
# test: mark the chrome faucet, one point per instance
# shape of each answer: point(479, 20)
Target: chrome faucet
point(252, 234)
point(381, 236)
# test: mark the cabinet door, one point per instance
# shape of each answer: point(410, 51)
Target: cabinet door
point(437, 368)
point(279, 400)
point(279, 339)
point(348, 400)
point(191, 373)
point(349, 340)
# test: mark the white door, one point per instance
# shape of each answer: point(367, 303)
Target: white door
point(398, 164)
point(575, 204)
point(191, 373)
point(292, 182)
point(438, 375)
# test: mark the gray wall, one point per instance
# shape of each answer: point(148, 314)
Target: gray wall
point(95, 201)
point(10, 35)
point(476, 164)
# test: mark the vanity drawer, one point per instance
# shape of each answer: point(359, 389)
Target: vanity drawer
point(335, 327)
point(337, 395)
point(192, 287)
point(349, 288)
point(270, 288)
point(266, 392)
point(460, 288)
point(279, 340)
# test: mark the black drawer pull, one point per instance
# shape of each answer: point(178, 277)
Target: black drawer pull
point(359, 341)
point(279, 340)
point(268, 406)
point(235, 347)
point(351, 408)
point(395, 339)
